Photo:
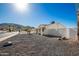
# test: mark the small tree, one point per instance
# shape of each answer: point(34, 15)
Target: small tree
point(9, 29)
point(28, 31)
point(52, 22)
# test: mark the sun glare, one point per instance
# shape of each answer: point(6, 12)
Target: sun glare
point(21, 6)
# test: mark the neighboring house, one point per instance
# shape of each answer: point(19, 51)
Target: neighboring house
point(73, 33)
point(55, 29)
point(41, 28)
point(33, 30)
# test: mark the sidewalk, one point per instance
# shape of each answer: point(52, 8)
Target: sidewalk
point(7, 35)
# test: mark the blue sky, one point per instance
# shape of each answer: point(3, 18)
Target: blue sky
point(39, 13)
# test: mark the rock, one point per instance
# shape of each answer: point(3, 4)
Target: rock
point(9, 43)
point(59, 39)
point(64, 38)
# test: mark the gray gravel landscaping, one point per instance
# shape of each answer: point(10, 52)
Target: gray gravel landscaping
point(37, 45)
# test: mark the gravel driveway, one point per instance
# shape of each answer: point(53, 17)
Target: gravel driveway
point(37, 45)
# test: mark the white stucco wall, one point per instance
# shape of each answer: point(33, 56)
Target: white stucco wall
point(55, 29)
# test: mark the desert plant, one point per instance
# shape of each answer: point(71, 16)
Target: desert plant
point(52, 22)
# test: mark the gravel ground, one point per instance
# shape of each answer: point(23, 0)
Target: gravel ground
point(36, 45)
